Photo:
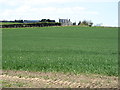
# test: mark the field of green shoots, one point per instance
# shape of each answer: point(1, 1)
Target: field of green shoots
point(70, 49)
point(4, 23)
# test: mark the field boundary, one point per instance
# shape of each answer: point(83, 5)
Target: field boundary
point(29, 25)
point(56, 80)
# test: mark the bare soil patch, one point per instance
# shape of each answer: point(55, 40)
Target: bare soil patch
point(27, 79)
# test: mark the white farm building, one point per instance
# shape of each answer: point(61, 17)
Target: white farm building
point(65, 22)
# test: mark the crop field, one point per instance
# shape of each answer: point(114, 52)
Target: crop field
point(70, 49)
point(4, 23)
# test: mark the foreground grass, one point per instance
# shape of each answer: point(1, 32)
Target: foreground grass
point(61, 49)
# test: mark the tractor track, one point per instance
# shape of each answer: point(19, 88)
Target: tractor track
point(57, 80)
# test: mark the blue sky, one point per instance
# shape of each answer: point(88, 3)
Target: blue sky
point(103, 12)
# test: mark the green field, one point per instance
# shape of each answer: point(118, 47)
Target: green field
point(4, 23)
point(70, 49)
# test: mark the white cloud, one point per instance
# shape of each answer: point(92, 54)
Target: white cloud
point(27, 12)
point(38, 9)
point(41, 2)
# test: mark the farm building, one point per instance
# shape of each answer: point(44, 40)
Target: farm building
point(31, 21)
point(65, 22)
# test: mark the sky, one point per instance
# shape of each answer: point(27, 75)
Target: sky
point(103, 12)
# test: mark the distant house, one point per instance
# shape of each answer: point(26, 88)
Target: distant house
point(65, 22)
point(31, 21)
